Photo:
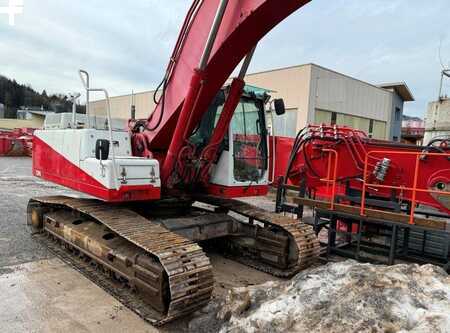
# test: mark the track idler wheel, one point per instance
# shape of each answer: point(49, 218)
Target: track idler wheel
point(35, 216)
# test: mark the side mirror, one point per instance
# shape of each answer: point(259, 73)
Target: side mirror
point(102, 149)
point(279, 106)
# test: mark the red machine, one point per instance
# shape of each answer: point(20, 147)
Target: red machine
point(203, 143)
point(346, 176)
point(18, 142)
point(387, 170)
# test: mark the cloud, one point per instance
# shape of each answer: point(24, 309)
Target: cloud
point(375, 41)
point(126, 45)
point(123, 46)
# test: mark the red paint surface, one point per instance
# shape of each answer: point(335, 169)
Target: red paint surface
point(283, 148)
point(17, 142)
point(343, 227)
point(237, 191)
point(352, 147)
point(52, 166)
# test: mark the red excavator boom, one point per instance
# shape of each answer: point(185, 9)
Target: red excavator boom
point(215, 37)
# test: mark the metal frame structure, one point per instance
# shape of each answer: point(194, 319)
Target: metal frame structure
point(358, 230)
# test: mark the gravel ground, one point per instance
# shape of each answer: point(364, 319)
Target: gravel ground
point(17, 186)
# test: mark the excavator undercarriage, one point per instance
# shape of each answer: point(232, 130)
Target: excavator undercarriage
point(155, 257)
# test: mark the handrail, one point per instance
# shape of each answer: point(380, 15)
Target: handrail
point(108, 115)
point(329, 180)
point(110, 125)
point(272, 157)
point(73, 98)
point(413, 189)
point(84, 76)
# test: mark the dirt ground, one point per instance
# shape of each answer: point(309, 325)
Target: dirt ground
point(49, 296)
point(42, 294)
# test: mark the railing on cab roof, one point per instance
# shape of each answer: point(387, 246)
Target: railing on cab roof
point(84, 76)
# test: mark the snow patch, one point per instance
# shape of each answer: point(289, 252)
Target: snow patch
point(344, 297)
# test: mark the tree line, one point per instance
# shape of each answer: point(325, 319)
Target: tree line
point(15, 96)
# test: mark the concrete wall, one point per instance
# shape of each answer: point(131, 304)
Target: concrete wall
point(437, 121)
point(311, 89)
point(339, 93)
point(292, 84)
point(121, 106)
point(19, 123)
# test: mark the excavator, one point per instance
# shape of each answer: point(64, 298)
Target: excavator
point(156, 189)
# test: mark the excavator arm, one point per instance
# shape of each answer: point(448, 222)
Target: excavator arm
point(216, 36)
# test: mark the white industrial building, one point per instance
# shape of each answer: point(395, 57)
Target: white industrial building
point(437, 121)
point(312, 94)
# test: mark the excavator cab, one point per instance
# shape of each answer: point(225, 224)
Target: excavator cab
point(242, 163)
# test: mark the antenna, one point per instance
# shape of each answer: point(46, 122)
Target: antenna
point(445, 72)
point(133, 106)
point(440, 54)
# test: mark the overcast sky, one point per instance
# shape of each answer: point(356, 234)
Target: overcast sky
point(125, 44)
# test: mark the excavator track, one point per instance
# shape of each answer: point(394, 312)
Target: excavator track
point(300, 234)
point(148, 260)
point(100, 277)
point(185, 268)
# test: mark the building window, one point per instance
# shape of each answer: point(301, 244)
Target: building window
point(397, 114)
point(333, 118)
point(371, 128)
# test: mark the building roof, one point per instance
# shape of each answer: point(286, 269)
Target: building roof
point(39, 113)
point(412, 118)
point(401, 89)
